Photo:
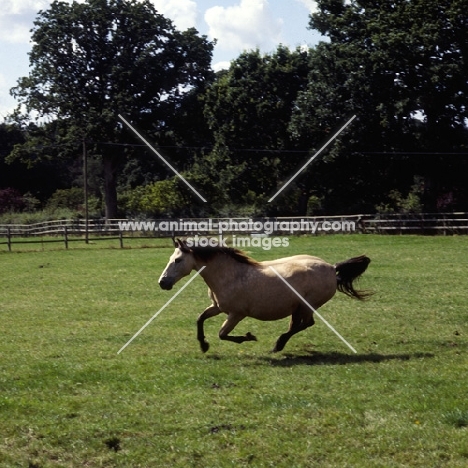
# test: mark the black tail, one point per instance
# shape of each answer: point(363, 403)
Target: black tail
point(347, 272)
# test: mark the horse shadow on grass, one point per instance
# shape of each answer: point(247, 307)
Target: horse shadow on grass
point(313, 358)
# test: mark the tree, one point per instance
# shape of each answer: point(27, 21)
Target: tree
point(10, 135)
point(401, 66)
point(248, 108)
point(28, 176)
point(95, 60)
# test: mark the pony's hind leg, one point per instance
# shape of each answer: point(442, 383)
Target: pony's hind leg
point(209, 312)
point(301, 319)
point(229, 325)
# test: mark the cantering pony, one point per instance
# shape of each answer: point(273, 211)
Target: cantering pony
point(241, 287)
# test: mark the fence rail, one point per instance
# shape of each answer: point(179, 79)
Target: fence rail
point(73, 230)
point(424, 223)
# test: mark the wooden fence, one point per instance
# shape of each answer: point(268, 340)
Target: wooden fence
point(78, 230)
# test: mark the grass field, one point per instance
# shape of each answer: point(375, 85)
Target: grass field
point(67, 399)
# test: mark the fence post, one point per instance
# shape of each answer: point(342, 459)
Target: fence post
point(9, 239)
point(65, 234)
point(85, 186)
point(121, 239)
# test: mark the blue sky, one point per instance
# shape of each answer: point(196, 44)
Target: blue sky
point(237, 25)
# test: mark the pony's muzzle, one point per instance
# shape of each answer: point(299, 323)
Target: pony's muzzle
point(166, 284)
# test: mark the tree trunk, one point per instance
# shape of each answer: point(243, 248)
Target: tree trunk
point(303, 201)
point(110, 185)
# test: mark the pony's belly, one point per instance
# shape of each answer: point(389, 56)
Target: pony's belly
point(275, 308)
point(264, 311)
point(267, 316)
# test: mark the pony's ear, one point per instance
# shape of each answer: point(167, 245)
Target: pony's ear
point(181, 245)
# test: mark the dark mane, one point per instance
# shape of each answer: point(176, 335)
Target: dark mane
point(207, 253)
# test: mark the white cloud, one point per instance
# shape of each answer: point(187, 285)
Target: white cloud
point(6, 101)
point(16, 18)
point(218, 66)
point(247, 25)
point(182, 12)
point(14, 33)
point(19, 7)
point(311, 5)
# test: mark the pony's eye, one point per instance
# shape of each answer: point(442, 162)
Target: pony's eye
point(177, 260)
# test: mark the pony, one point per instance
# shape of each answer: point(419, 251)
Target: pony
point(241, 287)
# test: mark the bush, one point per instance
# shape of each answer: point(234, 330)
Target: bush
point(37, 216)
point(397, 203)
point(31, 203)
point(156, 199)
point(11, 200)
point(71, 198)
point(314, 205)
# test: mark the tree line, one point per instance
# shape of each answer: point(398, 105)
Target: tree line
point(237, 135)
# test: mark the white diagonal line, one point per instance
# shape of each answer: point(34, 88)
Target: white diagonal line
point(313, 310)
point(312, 158)
point(161, 157)
point(161, 309)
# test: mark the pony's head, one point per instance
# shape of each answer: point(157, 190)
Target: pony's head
point(181, 263)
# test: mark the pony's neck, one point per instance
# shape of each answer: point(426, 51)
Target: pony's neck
point(220, 271)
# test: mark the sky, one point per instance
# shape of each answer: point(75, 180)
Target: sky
point(237, 25)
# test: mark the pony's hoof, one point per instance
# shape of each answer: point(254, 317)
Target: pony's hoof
point(277, 348)
point(204, 346)
point(250, 337)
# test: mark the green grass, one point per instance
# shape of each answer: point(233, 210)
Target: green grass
point(67, 399)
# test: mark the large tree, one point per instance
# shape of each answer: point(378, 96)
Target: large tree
point(248, 108)
point(95, 60)
point(402, 67)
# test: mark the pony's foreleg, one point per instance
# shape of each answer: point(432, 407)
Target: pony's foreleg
point(209, 312)
point(300, 320)
point(229, 325)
